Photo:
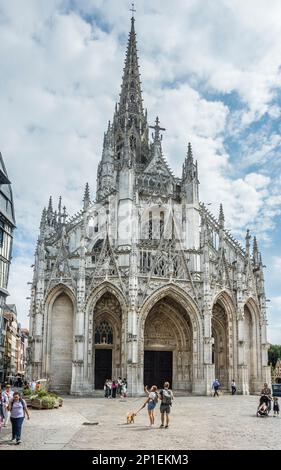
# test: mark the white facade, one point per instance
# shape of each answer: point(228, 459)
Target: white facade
point(145, 283)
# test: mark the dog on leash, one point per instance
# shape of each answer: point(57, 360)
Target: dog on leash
point(131, 418)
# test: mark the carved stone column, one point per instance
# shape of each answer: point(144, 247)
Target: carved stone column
point(243, 379)
point(77, 383)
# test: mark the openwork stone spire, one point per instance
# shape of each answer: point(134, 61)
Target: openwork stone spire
point(130, 120)
point(131, 97)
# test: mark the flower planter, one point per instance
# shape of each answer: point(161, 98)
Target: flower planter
point(36, 403)
point(28, 401)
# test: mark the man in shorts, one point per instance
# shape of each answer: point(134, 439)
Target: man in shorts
point(166, 397)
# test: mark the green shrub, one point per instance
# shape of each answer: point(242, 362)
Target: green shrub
point(42, 394)
point(32, 397)
point(27, 392)
point(48, 402)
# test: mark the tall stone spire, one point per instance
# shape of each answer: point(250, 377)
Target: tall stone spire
point(131, 97)
point(130, 121)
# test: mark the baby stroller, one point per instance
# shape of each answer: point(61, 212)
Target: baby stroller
point(264, 406)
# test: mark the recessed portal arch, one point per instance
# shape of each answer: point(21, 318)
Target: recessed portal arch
point(222, 333)
point(169, 347)
point(107, 339)
point(61, 343)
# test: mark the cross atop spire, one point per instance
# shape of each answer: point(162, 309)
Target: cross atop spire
point(156, 136)
point(132, 9)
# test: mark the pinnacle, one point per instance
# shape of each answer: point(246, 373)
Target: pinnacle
point(50, 206)
point(255, 245)
point(189, 151)
point(86, 199)
point(221, 215)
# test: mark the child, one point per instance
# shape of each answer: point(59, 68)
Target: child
point(275, 406)
point(263, 407)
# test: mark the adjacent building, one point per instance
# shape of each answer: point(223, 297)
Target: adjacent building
point(7, 225)
point(144, 282)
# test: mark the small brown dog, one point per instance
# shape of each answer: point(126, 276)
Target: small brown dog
point(131, 418)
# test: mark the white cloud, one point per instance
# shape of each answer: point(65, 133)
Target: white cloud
point(274, 329)
point(277, 267)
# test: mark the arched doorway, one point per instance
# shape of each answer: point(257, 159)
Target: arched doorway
point(61, 347)
point(107, 318)
point(221, 353)
point(168, 350)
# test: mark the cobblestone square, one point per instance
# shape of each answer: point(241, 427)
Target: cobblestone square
point(227, 422)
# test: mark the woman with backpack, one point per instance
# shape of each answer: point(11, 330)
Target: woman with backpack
point(18, 409)
point(151, 402)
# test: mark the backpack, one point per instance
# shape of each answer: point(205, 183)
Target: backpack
point(155, 399)
point(20, 400)
point(166, 397)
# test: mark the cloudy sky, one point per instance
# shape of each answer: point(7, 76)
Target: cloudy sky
point(210, 70)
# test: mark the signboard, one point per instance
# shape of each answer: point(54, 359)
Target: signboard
point(276, 390)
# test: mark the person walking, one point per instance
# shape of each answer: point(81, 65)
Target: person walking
point(216, 386)
point(3, 406)
point(233, 387)
point(124, 388)
point(38, 387)
point(8, 393)
point(114, 388)
point(266, 392)
point(166, 396)
point(33, 385)
point(18, 410)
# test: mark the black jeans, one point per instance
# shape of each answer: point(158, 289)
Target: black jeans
point(216, 392)
point(16, 428)
point(233, 390)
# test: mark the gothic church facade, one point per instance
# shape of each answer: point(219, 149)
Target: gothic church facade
point(144, 282)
